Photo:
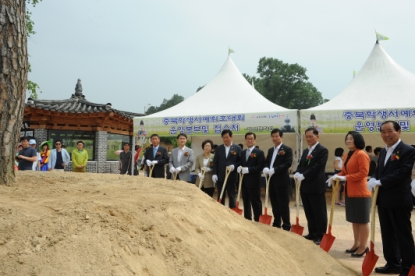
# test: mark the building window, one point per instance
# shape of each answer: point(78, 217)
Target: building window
point(115, 144)
point(70, 137)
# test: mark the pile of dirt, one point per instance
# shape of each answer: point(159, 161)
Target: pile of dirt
point(100, 224)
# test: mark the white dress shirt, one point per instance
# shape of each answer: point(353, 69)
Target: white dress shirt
point(227, 149)
point(310, 150)
point(390, 150)
point(274, 155)
point(180, 153)
point(249, 150)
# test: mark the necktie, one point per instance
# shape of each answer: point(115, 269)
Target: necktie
point(154, 152)
point(248, 152)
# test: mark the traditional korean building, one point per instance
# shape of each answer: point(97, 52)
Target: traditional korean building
point(102, 128)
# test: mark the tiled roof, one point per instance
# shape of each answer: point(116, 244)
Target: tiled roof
point(77, 104)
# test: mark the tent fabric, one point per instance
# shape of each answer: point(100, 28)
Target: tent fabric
point(228, 92)
point(380, 83)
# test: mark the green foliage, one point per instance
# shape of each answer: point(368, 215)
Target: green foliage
point(165, 104)
point(285, 84)
point(31, 86)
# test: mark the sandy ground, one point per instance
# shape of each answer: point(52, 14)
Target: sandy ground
point(100, 224)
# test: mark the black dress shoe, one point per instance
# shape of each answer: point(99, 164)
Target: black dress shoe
point(317, 241)
point(351, 250)
point(355, 255)
point(310, 237)
point(387, 269)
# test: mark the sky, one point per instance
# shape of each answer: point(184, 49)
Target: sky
point(132, 53)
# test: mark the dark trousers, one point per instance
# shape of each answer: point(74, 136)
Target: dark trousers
point(280, 201)
point(125, 171)
point(230, 190)
point(315, 210)
point(209, 191)
point(252, 197)
point(397, 240)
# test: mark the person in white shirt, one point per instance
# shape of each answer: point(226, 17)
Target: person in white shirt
point(36, 164)
point(181, 159)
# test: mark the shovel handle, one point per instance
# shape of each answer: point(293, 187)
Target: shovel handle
point(333, 196)
point(228, 171)
point(174, 175)
point(372, 215)
point(151, 170)
point(267, 179)
point(241, 176)
point(297, 196)
point(203, 171)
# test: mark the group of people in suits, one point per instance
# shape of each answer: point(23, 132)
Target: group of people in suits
point(392, 175)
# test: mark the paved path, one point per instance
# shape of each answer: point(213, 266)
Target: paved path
point(341, 230)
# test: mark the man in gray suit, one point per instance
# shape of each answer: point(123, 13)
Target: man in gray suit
point(181, 159)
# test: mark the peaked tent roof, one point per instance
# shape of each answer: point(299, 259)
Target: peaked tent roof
point(381, 83)
point(227, 93)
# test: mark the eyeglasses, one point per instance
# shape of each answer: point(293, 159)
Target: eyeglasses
point(57, 144)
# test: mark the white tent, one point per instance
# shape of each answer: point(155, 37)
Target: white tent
point(382, 90)
point(228, 92)
point(228, 101)
point(381, 83)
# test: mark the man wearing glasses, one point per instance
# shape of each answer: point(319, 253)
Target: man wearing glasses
point(59, 157)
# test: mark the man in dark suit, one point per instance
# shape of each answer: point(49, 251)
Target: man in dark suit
point(279, 160)
point(393, 175)
point(226, 155)
point(156, 156)
point(310, 172)
point(252, 162)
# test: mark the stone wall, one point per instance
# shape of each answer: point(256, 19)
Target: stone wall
point(101, 152)
point(105, 167)
point(40, 135)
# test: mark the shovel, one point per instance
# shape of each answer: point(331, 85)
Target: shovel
point(174, 175)
point(237, 209)
point(265, 218)
point(412, 271)
point(228, 171)
point(328, 239)
point(296, 228)
point(151, 170)
point(203, 177)
point(371, 258)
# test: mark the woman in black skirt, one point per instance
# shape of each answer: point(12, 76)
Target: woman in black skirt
point(358, 197)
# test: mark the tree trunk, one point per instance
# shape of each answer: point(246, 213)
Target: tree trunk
point(13, 82)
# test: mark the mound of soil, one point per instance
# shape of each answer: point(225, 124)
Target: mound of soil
point(100, 224)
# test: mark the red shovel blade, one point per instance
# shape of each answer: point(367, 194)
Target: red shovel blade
point(327, 240)
point(236, 209)
point(297, 228)
point(412, 271)
point(265, 219)
point(369, 261)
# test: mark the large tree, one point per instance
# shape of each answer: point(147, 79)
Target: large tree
point(13, 82)
point(285, 84)
point(165, 104)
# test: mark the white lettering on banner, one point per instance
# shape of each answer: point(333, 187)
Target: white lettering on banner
point(372, 126)
point(204, 119)
point(367, 119)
